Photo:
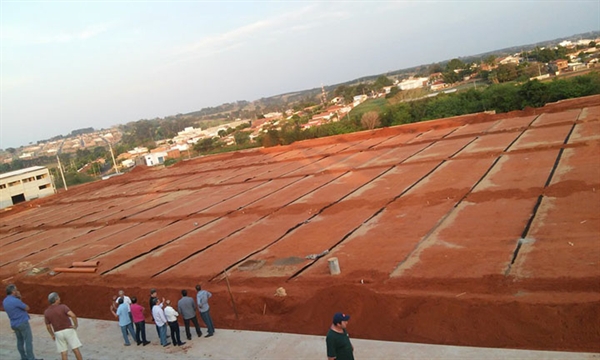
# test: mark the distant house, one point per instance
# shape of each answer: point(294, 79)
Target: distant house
point(358, 99)
point(558, 65)
point(337, 100)
point(273, 115)
point(156, 158)
point(413, 83)
point(438, 85)
point(508, 60)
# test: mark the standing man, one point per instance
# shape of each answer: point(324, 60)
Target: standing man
point(137, 312)
point(161, 321)
point(171, 316)
point(187, 308)
point(153, 295)
point(127, 302)
point(125, 323)
point(202, 299)
point(338, 340)
point(61, 323)
point(16, 310)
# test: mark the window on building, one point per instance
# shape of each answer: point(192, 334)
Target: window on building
point(45, 186)
point(14, 183)
point(2, 186)
point(42, 176)
point(29, 179)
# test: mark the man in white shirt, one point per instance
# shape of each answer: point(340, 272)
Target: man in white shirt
point(161, 320)
point(171, 316)
point(126, 301)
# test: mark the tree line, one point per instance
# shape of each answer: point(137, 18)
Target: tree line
point(497, 97)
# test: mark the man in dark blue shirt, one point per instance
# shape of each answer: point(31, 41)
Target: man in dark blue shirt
point(16, 310)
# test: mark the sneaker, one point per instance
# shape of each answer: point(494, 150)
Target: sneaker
point(145, 343)
point(209, 335)
point(139, 343)
point(167, 344)
point(182, 343)
point(189, 338)
point(127, 344)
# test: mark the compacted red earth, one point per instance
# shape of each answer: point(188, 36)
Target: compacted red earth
point(479, 230)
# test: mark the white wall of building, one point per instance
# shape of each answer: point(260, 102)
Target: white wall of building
point(156, 158)
point(24, 185)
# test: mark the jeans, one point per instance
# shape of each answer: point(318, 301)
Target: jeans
point(24, 341)
point(188, 333)
point(175, 335)
point(208, 321)
point(125, 329)
point(140, 332)
point(162, 334)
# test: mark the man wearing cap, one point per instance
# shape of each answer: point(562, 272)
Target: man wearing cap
point(338, 342)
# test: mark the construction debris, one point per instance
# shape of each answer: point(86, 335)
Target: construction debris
point(280, 292)
point(316, 256)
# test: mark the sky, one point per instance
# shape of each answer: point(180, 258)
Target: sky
point(67, 65)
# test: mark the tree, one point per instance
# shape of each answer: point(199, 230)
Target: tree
point(241, 137)
point(455, 64)
point(222, 133)
point(434, 68)
point(370, 120)
point(490, 60)
point(381, 82)
point(451, 77)
point(506, 72)
point(204, 145)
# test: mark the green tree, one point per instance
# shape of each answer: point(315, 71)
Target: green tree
point(506, 72)
point(455, 64)
point(241, 137)
point(501, 98)
point(381, 82)
point(490, 60)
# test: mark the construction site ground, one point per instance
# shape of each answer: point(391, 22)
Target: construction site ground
point(102, 340)
point(479, 230)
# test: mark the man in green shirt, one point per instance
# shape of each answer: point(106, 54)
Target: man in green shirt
point(339, 346)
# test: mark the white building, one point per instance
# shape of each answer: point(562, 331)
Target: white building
point(156, 158)
point(412, 83)
point(24, 185)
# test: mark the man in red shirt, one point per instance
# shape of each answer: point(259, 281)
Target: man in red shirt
point(139, 319)
point(61, 323)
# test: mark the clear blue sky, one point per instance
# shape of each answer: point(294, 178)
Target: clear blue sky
point(68, 65)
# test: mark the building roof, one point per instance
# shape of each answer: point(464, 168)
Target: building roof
point(21, 171)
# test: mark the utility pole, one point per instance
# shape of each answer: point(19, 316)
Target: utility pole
point(113, 157)
point(112, 154)
point(62, 174)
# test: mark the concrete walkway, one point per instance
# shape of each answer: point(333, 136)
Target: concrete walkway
point(103, 340)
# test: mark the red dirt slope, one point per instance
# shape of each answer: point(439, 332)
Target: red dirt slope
point(479, 230)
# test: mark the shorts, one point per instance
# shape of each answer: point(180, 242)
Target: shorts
point(66, 338)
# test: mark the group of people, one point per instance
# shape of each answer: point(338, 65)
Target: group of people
point(129, 312)
point(61, 324)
